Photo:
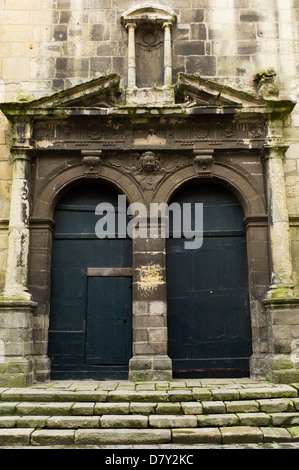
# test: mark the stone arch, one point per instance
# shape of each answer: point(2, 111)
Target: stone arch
point(46, 199)
point(240, 184)
point(41, 235)
point(256, 221)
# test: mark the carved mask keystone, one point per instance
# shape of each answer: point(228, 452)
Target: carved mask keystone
point(203, 165)
point(91, 162)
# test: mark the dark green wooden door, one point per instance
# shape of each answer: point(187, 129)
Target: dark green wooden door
point(108, 338)
point(209, 330)
point(90, 315)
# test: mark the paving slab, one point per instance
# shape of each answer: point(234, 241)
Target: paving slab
point(52, 437)
point(122, 436)
point(31, 421)
point(15, 436)
point(168, 421)
point(8, 421)
point(142, 408)
point(225, 394)
point(276, 405)
point(241, 434)
point(227, 419)
point(83, 408)
point(131, 395)
point(281, 391)
point(276, 434)
point(254, 419)
point(73, 422)
point(124, 421)
point(242, 406)
point(210, 407)
point(168, 408)
point(192, 408)
point(284, 419)
point(196, 436)
point(294, 431)
point(35, 408)
point(8, 408)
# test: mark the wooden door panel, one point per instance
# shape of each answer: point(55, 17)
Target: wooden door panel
point(75, 319)
point(108, 337)
point(207, 288)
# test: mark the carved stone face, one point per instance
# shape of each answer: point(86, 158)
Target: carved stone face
point(148, 162)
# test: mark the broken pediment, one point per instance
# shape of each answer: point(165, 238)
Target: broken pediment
point(194, 91)
point(191, 94)
point(101, 92)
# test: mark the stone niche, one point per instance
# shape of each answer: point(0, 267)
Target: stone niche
point(149, 55)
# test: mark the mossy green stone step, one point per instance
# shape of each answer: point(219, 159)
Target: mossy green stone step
point(123, 413)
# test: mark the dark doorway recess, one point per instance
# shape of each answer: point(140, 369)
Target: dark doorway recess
point(209, 329)
point(90, 333)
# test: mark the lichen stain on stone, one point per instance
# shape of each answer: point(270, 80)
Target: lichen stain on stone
point(150, 277)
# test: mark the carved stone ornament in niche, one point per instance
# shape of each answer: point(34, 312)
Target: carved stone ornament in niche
point(147, 169)
point(203, 165)
point(91, 162)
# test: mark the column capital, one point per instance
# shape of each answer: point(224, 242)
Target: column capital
point(131, 25)
point(22, 152)
point(167, 24)
point(274, 150)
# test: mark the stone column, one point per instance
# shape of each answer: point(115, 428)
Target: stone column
point(282, 305)
point(167, 54)
point(16, 306)
point(18, 238)
point(279, 237)
point(131, 55)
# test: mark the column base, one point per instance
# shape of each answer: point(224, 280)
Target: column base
point(42, 368)
point(16, 372)
point(150, 368)
point(16, 341)
point(280, 291)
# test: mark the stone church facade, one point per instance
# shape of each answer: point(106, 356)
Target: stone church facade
point(188, 102)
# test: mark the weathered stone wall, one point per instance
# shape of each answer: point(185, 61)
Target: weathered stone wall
point(48, 45)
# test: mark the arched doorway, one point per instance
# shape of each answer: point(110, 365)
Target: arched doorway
point(91, 288)
point(209, 330)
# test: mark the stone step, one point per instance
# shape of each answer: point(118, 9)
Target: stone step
point(184, 394)
point(273, 405)
point(183, 412)
point(151, 421)
point(183, 436)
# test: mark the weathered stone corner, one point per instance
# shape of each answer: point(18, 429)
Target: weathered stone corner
point(150, 368)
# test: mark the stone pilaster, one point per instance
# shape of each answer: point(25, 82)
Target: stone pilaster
point(150, 360)
point(16, 306)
